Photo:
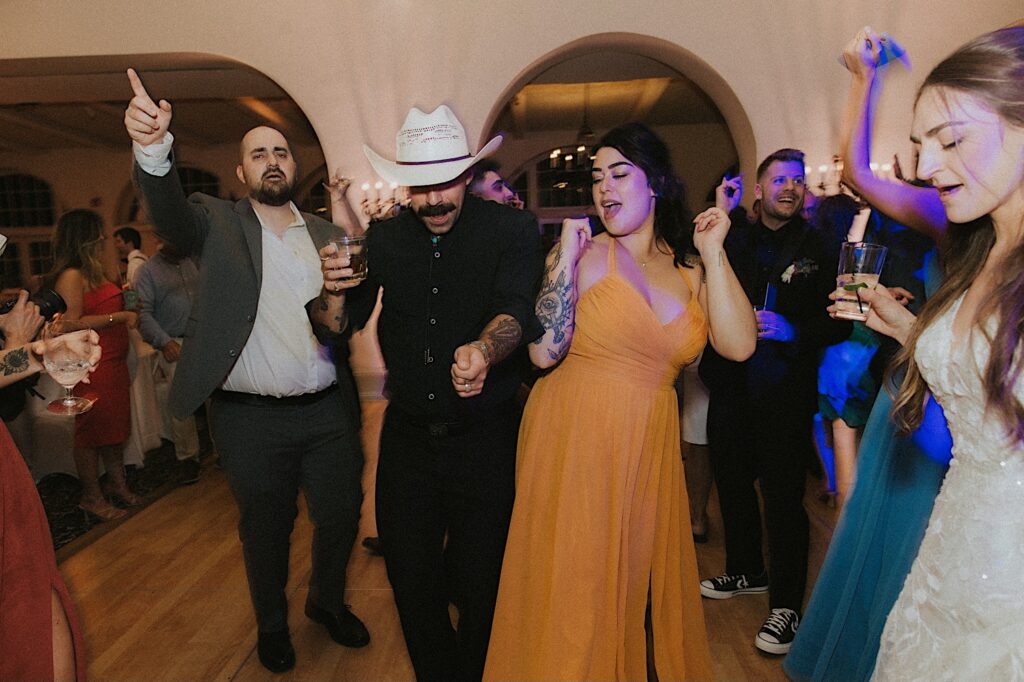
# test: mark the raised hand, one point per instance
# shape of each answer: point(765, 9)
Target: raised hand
point(337, 185)
point(729, 193)
point(575, 235)
point(710, 229)
point(145, 121)
point(861, 55)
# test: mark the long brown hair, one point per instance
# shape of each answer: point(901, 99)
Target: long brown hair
point(990, 68)
point(78, 243)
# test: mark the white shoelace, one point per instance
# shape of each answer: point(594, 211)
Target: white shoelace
point(777, 622)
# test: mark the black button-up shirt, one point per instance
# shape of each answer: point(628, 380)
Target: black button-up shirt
point(439, 293)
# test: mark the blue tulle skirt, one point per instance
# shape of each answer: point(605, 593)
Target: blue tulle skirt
point(873, 547)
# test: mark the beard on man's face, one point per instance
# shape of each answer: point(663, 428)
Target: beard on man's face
point(277, 191)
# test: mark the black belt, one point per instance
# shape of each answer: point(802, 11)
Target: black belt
point(439, 428)
point(269, 400)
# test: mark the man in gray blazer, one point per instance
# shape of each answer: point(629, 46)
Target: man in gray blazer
point(283, 414)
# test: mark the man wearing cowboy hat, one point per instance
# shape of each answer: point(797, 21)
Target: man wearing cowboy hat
point(459, 276)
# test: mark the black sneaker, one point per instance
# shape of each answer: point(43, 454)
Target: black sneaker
point(726, 586)
point(778, 631)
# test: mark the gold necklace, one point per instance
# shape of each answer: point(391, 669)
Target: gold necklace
point(643, 263)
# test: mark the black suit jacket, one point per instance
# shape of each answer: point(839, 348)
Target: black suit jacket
point(228, 238)
point(778, 371)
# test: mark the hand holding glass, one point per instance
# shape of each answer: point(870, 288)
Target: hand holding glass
point(69, 348)
point(860, 266)
point(355, 248)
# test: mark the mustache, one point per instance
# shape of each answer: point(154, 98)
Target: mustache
point(428, 210)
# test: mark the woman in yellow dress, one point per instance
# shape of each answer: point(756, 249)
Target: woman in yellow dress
point(600, 526)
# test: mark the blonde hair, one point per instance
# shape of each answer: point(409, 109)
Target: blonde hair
point(78, 243)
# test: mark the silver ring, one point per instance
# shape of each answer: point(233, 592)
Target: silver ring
point(337, 285)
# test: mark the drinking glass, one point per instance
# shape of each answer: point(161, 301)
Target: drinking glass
point(860, 266)
point(355, 248)
point(67, 354)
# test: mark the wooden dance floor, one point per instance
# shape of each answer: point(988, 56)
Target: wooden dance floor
point(163, 596)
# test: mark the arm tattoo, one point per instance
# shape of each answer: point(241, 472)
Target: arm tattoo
point(14, 362)
point(555, 308)
point(502, 338)
point(556, 312)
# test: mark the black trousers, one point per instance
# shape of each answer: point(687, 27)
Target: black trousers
point(433, 483)
point(268, 454)
point(765, 441)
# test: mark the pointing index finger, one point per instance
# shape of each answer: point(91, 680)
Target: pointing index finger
point(137, 88)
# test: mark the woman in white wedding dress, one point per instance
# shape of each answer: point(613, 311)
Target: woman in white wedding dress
point(960, 615)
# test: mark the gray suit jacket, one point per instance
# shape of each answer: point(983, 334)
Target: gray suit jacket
point(228, 239)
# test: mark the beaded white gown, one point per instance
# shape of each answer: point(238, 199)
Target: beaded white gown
point(960, 615)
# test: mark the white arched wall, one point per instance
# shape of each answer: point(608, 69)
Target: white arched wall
point(355, 68)
point(670, 54)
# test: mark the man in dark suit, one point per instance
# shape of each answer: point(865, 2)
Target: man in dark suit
point(282, 414)
point(459, 276)
point(760, 411)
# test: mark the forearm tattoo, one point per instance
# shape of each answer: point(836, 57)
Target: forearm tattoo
point(14, 362)
point(502, 338)
point(556, 311)
point(321, 328)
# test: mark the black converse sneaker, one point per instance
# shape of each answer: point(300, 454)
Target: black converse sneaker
point(726, 586)
point(778, 631)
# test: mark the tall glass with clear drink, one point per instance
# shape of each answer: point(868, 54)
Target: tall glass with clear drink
point(860, 266)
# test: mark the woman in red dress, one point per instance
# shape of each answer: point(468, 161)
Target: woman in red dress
point(93, 298)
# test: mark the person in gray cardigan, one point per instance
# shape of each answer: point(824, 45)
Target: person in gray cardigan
point(167, 285)
point(283, 414)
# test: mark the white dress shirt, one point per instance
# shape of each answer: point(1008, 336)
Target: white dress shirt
point(282, 356)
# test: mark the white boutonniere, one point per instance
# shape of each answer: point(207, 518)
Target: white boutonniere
point(804, 266)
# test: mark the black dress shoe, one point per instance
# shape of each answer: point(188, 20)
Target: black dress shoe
point(275, 651)
point(344, 628)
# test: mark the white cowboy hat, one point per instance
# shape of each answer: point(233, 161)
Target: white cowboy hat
point(431, 150)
